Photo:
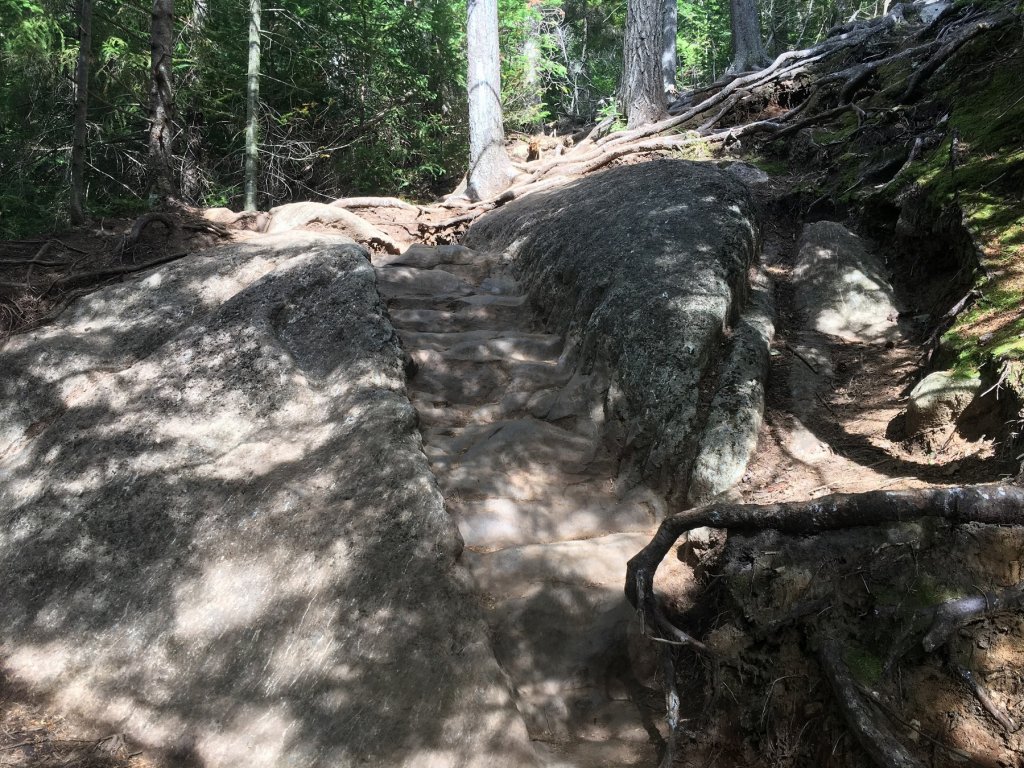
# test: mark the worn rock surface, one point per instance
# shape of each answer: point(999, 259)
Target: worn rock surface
point(513, 433)
point(644, 267)
point(219, 534)
point(843, 288)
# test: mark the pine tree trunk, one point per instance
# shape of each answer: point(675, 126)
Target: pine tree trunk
point(747, 49)
point(252, 106)
point(161, 101)
point(80, 136)
point(642, 94)
point(669, 59)
point(489, 168)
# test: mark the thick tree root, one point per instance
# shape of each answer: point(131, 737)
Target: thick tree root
point(988, 504)
point(803, 74)
point(874, 735)
point(955, 614)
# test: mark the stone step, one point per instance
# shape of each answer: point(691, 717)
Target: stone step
point(484, 346)
point(475, 383)
point(429, 257)
point(563, 512)
point(566, 637)
point(450, 301)
point(435, 411)
point(453, 320)
point(395, 282)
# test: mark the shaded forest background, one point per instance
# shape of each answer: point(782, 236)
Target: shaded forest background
point(356, 97)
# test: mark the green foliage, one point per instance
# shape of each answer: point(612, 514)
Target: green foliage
point(357, 96)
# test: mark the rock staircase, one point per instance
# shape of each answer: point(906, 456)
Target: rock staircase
point(512, 434)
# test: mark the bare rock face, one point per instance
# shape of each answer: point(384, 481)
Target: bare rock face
point(939, 399)
point(645, 266)
point(218, 531)
point(843, 288)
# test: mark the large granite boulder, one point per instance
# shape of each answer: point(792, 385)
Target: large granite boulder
point(218, 531)
point(645, 266)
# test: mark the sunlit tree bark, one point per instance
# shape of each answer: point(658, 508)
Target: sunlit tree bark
point(489, 168)
point(642, 93)
point(669, 59)
point(252, 107)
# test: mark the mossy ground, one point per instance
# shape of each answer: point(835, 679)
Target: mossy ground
point(976, 171)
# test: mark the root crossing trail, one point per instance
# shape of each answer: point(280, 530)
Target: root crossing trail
point(512, 437)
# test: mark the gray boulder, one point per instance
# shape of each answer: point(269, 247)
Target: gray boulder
point(938, 400)
point(842, 287)
point(645, 266)
point(218, 531)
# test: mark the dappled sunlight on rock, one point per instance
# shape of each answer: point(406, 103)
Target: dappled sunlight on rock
point(224, 540)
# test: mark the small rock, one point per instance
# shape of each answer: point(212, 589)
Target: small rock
point(939, 399)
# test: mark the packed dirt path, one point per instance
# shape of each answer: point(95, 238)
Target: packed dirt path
point(513, 441)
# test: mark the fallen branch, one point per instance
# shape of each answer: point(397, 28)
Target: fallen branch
point(976, 688)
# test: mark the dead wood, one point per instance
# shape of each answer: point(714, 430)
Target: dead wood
point(874, 735)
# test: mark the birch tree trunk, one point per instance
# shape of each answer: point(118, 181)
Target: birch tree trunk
point(161, 101)
point(747, 49)
point(489, 168)
point(642, 94)
point(80, 135)
point(669, 59)
point(252, 107)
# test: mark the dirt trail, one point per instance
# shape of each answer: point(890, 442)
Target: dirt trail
point(513, 441)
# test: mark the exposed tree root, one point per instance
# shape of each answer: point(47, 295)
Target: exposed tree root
point(951, 616)
point(874, 735)
point(97, 275)
point(146, 220)
point(740, 103)
point(988, 504)
point(374, 202)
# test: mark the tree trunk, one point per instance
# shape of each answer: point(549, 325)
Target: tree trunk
point(489, 168)
point(80, 136)
point(252, 106)
point(747, 49)
point(642, 95)
point(531, 56)
point(161, 101)
point(669, 60)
